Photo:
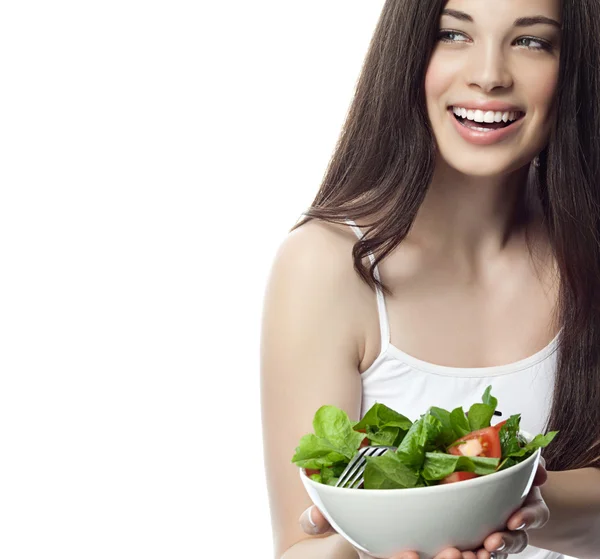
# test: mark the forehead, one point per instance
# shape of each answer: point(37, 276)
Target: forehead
point(505, 10)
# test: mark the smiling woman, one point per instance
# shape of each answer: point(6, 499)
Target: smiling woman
point(518, 59)
point(453, 244)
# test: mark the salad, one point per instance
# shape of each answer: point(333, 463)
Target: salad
point(440, 447)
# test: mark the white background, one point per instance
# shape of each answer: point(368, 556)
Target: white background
point(153, 155)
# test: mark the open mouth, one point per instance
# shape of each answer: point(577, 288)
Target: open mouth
point(510, 119)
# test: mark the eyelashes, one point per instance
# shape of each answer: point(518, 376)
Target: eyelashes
point(542, 45)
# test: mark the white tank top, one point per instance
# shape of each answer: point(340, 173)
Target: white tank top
point(410, 386)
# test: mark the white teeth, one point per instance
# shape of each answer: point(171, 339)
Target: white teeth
point(486, 116)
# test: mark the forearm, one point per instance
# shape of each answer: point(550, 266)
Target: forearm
point(573, 498)
point(330, 547)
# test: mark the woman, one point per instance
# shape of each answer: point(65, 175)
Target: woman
point(454, 243)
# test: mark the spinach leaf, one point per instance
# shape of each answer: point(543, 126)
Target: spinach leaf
point(388, 472)
point(488, 399)
point(480, 416)
point(379, 415)
point(438, 465)
point(333, 424)
point(447, 435)
point(459, 423)
point(540, 441)
point(509, 440)
point(384, 426)
point(421, 438)
point(316, 453)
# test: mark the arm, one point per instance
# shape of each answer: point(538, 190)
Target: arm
point(330, 547)
point(310, 352)
point(573, 498)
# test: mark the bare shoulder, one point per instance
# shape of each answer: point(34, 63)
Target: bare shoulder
point(315, 260)
point(320, 247)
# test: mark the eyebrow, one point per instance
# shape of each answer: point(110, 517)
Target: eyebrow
point(519, 22)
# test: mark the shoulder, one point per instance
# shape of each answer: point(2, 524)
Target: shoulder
point(314, 285)
point(317, 253)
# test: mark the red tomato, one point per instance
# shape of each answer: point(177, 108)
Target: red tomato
point(458, 476)
point(485, 442)
point(365, 441)
point(499, 425)
point(311, 472)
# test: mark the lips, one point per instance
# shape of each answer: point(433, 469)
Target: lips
point(488, 133)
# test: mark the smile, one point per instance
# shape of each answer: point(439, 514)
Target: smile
point(485, 127)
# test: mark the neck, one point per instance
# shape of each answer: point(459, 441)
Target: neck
point(472, 216)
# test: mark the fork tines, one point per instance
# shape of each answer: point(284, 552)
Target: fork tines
point(353, 476)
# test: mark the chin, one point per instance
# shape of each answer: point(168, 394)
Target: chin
point(482, 167)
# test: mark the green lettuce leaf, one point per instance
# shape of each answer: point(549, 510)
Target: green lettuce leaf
point(540, 441)
point(384, 426)
point(333, 425)
point(388, 472)
point(447, 434)
point(421, 438)
point(488, 399)
point(315, 453)
point(480, 416)
point(509, 436)
point(379, 415)
point(459, 422)
point(439, 465)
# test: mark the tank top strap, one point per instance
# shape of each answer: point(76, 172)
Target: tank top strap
point(384, 326)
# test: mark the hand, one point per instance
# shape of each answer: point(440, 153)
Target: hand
point(534, 514)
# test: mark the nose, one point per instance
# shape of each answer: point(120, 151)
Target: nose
point(488, 69)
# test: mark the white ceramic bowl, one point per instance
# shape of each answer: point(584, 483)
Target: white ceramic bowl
point(382, 522)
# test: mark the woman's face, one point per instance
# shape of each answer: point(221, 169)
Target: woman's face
point(495, 63)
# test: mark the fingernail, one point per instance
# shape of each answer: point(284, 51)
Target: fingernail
point(312, 522)
point(522, 527)
point(502, 547)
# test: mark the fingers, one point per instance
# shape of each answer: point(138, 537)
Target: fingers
point(534, 513)
point(450, 553)
point(313, 522)
point(541, 476)
point(484, 554)
point(503, 543)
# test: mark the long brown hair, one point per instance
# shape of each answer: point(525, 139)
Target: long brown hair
point(384, 161)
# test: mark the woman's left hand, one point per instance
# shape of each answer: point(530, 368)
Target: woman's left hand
point(534, 514)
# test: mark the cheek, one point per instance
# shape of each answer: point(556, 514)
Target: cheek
point(543, 86)
point(439, 77)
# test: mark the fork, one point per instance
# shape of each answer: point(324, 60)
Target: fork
point(353, 476)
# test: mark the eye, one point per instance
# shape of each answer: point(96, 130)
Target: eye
point(534, 43)
point(449, 36)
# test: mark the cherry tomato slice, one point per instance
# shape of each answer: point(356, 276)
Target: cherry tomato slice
point(498, 426)
point(458, 476)
point(365, 441)
point(484, 442)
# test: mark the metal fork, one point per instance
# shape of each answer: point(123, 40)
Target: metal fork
point(353, 476)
